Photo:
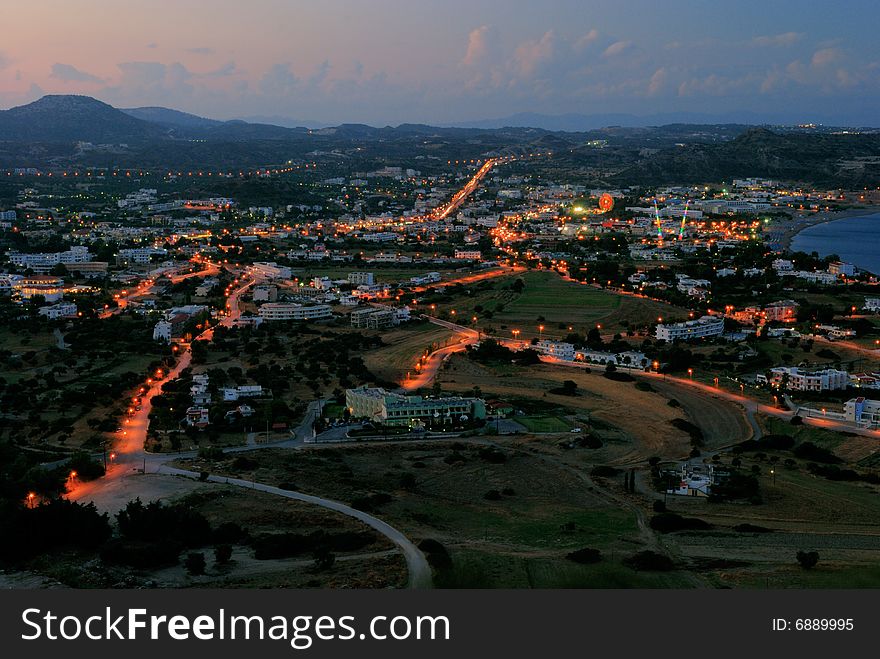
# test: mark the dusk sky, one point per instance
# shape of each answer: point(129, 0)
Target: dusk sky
point(392, 61)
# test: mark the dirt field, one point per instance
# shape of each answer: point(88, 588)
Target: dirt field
point(643, 417)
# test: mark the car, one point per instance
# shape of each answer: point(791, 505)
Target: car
point(576, 430)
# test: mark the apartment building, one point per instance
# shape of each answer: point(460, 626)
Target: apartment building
point(794, 379)
point(556, 349)
point(272, 311)
point(863, 412)
point(377, 404)
point(59, 310)
point(701, 328)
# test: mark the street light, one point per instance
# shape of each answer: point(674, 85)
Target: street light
point(691, 373)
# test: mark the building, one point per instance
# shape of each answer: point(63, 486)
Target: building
point(468, 254)
point(379, 405)
point(269, 271)
point(197, 416)
point(794, 379)
point(242, 391)
point(162, 331)
point(265, 293)
point(556, 349)
point(59, 310)
point(872, 304)
point(783, 311)
point(44, 262)
point(374, 318)
point(138, 255)
point(863, 412)
point(701, 328)
point(361, 278)
point(841, 269)
point(51, 288)
point(293, 311)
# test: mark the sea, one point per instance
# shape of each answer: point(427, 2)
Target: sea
point(855, 239)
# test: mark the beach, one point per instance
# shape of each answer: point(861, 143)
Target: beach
point(784, 234)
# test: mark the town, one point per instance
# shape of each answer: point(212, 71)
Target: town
point(439, 343)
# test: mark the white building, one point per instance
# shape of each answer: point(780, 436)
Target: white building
point(863, 412)
point(269, 271)
point(361, 278)
point(468, 254)
point(702, 328)
point(243, 391)
point(872, 304)
point(556, 349)
point(162, 331)
point(293, 311)
point(60, 310)
point(828, 379)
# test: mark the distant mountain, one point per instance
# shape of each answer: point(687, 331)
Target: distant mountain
point(171, 118)
point(574, 122)
point(824, 158)
point(284, 122)
point(74, 119)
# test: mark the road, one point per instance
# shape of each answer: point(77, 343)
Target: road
point(435, 360)
point(459, 197)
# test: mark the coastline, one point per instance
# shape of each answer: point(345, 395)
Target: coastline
point(800, 222)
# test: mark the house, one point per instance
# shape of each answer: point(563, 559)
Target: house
point(377, 404)
point(242, 391)
point(272, 311)
point(197, 416)
point(556, 349)
point(59, 310)
point(863, 412)
point(702, 328)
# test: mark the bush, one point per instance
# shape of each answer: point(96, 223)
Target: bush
point(807, 559)
point(371, 502)
point(644, 386)
point(222, 554)
point(649, 561)
point(809, 451)
point(492, 495)
point(591, 441)
point(86, 469)
point(659, 506)
point(604, 471)
point(242, 463)
point(671, 522)
point(143, 555)
point(195, 563)
point(585, 556)
point(492, 454)
point(796, 420)
point(211, 453)
point(436, 553)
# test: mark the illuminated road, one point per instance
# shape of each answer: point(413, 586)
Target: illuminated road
point(435, 360)
point(461, 196)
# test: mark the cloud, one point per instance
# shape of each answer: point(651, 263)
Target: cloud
point(201, 50)
point(825, 56)
point(68, 73)
point(657, 81)
point(531, 55)
point(227, 69)
point(152, 45)
point(477, 47)
point(4, 61)
point(784, 39)
point(586, 40)
point(616, 48)
point(279, 80)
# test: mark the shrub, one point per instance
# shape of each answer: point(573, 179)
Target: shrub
point(659, 506)
point(585, 556)
point(195, 563)
point(436, 553)
point(604, 471)
point(222, 554)
point(671, 522)
point(751, 528)
point(649, 561)
point(807, 559)
point(492, 495)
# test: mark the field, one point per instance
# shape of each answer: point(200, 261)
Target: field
point(549, 300)
point(506, 522)
point(544, 423)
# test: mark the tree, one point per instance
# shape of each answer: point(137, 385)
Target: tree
point(518, 286)
point(195, 563)
point(222, 554)
point(807, 559)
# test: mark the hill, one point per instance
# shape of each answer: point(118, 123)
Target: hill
point(74, 119)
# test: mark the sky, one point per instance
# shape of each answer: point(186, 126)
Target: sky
point(386, 62)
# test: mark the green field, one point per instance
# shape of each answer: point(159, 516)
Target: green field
point(549, 300)
point(544, 423)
